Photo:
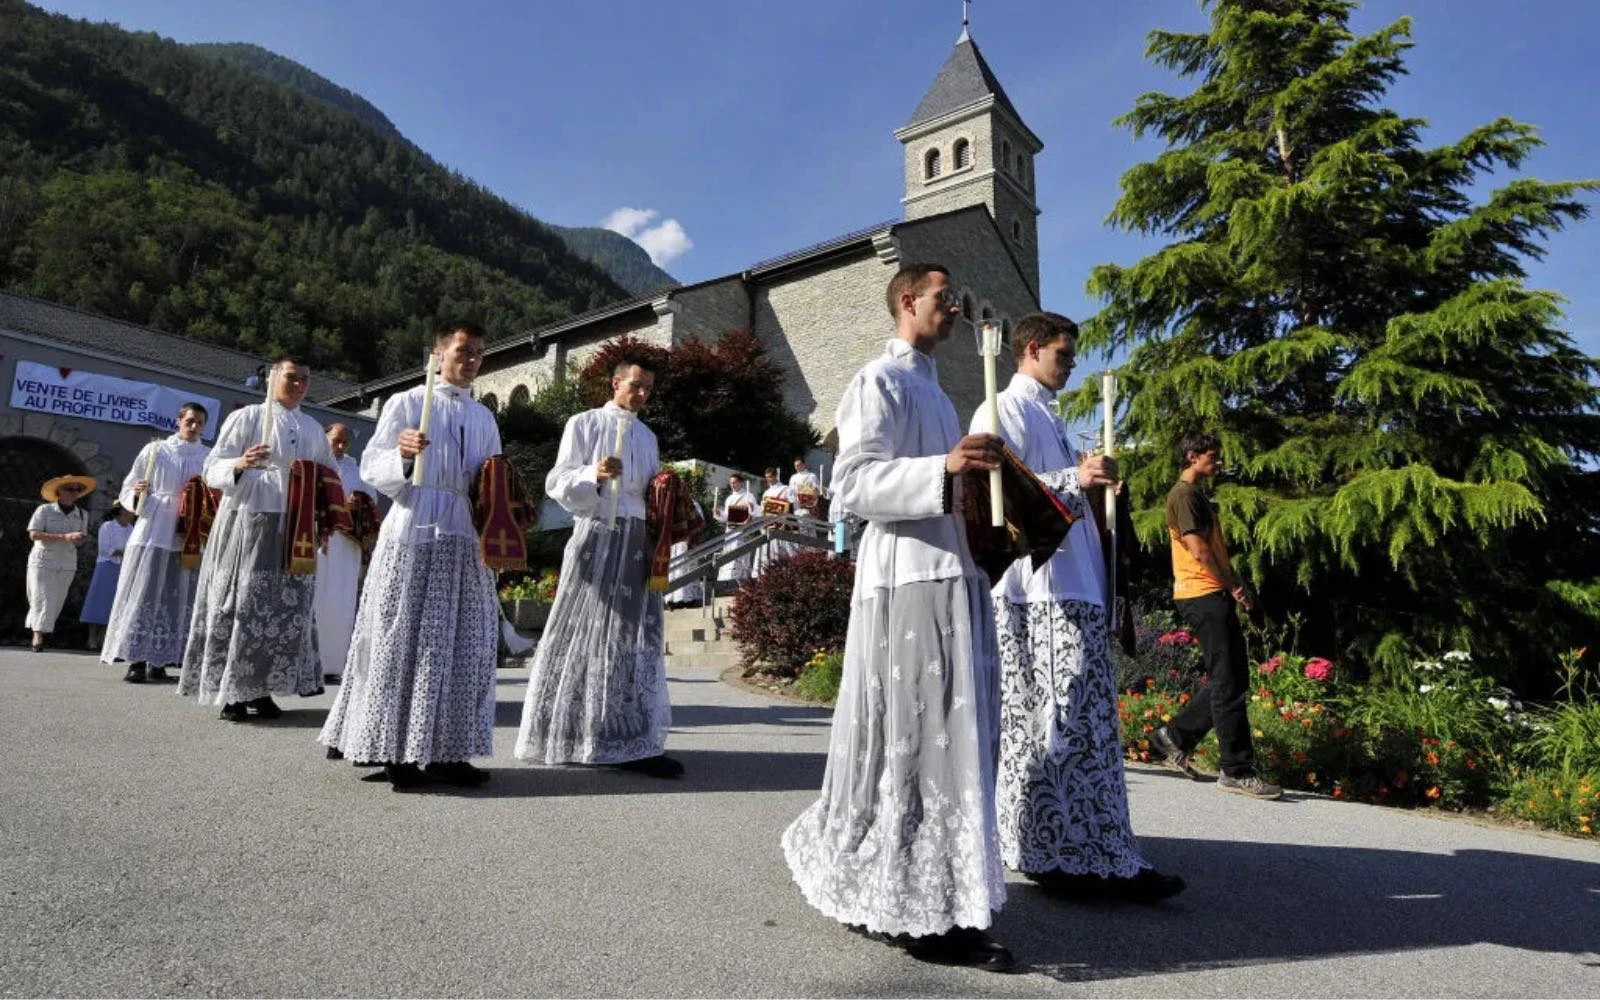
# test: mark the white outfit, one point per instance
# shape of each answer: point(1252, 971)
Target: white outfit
point(418, 685)
point(52, 564)
point(339, 580)
point(155, 593)
point(902, 839)
point(776, 549)
point(252, 634)
point(1062, 799)
point(597, 691)
point(740, 568)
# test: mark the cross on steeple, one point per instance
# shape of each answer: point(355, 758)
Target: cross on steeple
point(965, 5)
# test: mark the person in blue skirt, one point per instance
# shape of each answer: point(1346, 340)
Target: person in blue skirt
point(115, 530)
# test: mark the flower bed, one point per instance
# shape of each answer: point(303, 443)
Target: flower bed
point(1441, 735)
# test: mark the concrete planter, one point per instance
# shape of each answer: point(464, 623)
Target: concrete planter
point(526, 614)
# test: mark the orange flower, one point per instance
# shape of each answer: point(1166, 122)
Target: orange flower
point(1183, 698)
point(1432, 757)
point(1338, 792)
point(1434, 792)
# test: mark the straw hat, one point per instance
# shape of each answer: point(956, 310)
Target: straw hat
point(51, 490)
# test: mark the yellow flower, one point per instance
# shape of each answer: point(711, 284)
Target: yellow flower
point(1165, 717)
point(1259, 734)
point(1556, 792)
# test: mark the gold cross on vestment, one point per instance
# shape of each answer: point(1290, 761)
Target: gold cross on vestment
point(500, 543)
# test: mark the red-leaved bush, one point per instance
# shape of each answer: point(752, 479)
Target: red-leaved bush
point(796, 607)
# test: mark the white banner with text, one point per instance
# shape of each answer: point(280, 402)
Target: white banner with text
point(72, 392)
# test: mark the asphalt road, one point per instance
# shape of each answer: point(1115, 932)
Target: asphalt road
point(148, 848)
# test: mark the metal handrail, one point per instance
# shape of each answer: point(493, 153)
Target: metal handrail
point(704, 560)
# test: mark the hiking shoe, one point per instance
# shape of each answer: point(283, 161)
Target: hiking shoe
point(1171, 756)
point(1249, 785)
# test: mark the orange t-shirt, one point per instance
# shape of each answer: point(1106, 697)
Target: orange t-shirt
point(1190, 513)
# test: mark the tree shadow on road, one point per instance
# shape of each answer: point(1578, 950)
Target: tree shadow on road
point(1251, 903)
point(704, 771)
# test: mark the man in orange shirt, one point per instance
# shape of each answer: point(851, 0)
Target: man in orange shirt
point(1205, 589)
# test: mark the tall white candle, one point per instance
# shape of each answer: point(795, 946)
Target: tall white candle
point(616, 481)
point(1108, 442)
point(822, 475)
point(991, 404)
point(427, 415)
point(149, 477)
point(266, 412)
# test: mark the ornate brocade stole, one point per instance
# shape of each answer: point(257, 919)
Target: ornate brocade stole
point(670, 516)
point(1037, 521)
point(313, 509)
point(502, 514)
point(197, 510)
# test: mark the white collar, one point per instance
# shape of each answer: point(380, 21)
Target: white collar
point(1029, 387)
point(910, 357)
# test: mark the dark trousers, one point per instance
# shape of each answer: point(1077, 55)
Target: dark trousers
point(1221, 703)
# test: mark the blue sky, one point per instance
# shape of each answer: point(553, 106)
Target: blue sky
point(762, 127)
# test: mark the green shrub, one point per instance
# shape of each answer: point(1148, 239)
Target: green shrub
point(819, 678)
point(1563, 800)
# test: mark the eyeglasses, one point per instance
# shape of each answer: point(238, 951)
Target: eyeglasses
point(946, 297)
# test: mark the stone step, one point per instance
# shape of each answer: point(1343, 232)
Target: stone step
point(718, 661)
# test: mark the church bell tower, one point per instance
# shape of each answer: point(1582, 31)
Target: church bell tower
point(966, 144)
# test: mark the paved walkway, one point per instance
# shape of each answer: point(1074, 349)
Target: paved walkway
point(148, 848)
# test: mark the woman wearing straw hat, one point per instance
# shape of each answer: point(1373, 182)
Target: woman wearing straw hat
point(57, 528)
point(115, 529)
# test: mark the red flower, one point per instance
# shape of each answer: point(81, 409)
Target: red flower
point(1272, 665)
point(1319, 669)
point(1178, 637)
point(1434, 792)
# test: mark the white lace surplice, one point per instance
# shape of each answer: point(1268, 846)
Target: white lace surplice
point(1062, 798)
point(252, 633)
point(597, 690)
point(902, 839)
point(155, 594)
point(419, 681)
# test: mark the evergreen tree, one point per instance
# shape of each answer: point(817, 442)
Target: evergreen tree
point(1409, 434)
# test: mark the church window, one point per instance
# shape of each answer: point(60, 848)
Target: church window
point(1005, 154)
point(931, 165)
point(966, 305)
point(519, 396)
point(1021, 170)
point(1016, 230)
point(491, 402)
point(963, 154)
point(987, 313)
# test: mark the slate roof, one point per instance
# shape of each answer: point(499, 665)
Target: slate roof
point(26, 314)
point(965, 78)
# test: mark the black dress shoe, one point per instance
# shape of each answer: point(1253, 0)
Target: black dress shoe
point(405, 777)
point(135, 674)
point(328, 679)
point(266, 707)
point(456, 772)
point(966, 946)
point(659, 766)
point(1149, 886)
point(235, 712)
point(334, 753)
point(157, 675)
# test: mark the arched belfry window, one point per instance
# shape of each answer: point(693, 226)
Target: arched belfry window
point(1020, 168)
point(931, 164)
point(963, 154)
point(1005, 154)
point(1016, 230)
point(966, 305)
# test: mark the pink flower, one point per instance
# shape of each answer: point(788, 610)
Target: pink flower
point(1272, 665)
point(1178, 637)
point(1319, 669)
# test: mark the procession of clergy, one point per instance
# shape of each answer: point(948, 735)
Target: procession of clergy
point(976, 727)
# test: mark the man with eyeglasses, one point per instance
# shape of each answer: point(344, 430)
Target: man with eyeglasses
point(1061, 796)
point(900, 846)
point(57, 528)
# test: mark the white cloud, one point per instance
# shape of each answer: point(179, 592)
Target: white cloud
point(664, 241)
